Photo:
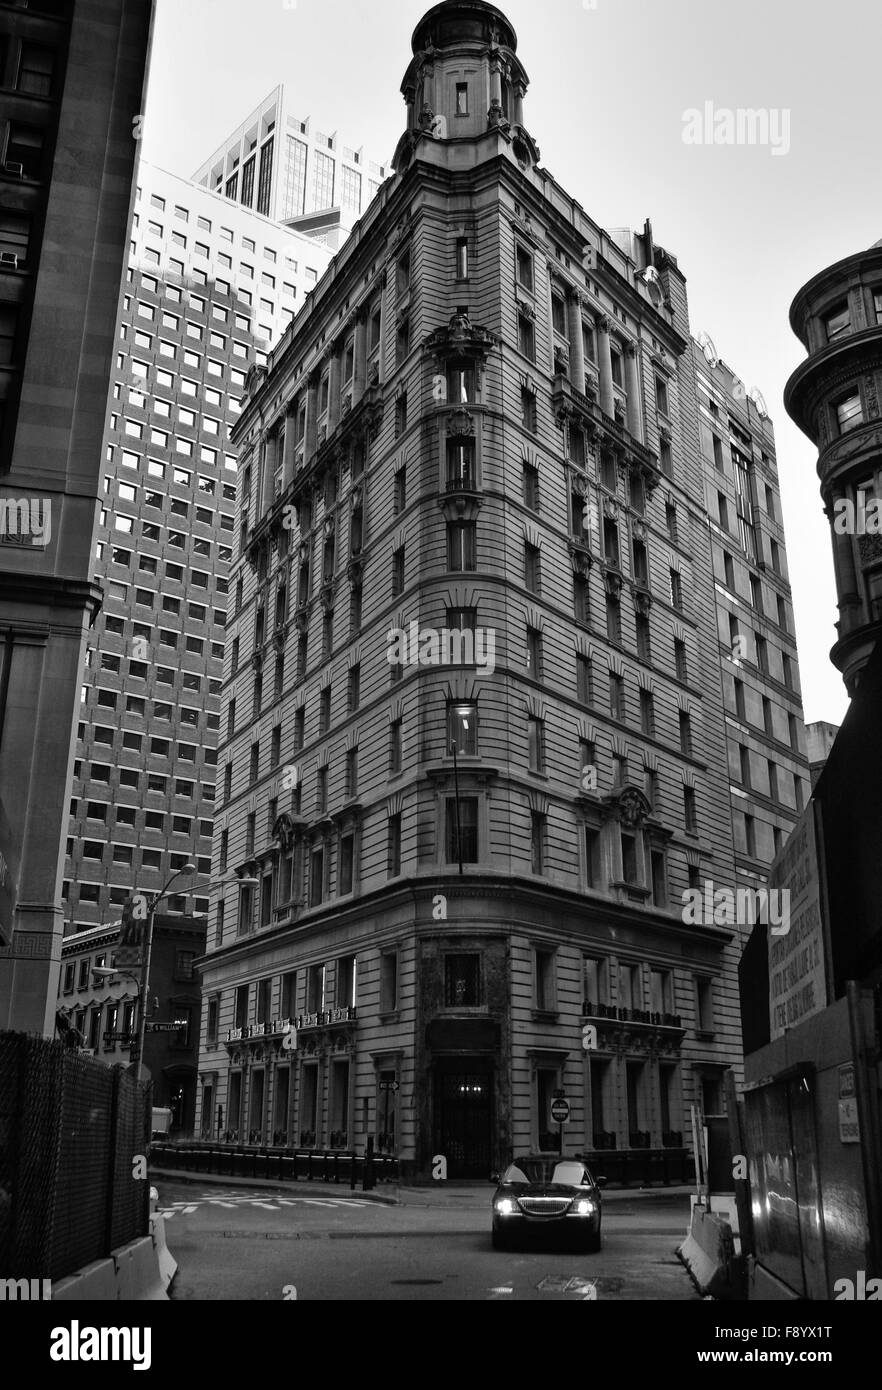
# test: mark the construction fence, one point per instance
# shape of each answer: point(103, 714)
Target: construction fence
point(73, 1133)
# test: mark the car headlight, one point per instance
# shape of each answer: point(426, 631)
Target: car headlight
point(505, 1206)
point(584, 1208)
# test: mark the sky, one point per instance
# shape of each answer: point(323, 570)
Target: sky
point(610, 83)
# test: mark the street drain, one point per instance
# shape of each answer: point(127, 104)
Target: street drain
point(414, 1283)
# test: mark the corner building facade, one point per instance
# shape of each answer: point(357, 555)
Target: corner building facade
point(471, 850)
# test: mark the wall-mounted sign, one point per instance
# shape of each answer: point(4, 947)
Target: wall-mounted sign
point(797, 977)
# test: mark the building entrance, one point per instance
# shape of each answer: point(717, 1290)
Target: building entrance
point(464, 1119)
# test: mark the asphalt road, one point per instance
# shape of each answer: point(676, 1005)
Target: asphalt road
point(261, 1245)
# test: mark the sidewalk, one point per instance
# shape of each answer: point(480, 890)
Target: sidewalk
point(464, 1194)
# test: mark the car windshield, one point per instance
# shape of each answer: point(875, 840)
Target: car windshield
point(563, 1172)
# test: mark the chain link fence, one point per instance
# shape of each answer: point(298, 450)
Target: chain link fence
point(71, 1133)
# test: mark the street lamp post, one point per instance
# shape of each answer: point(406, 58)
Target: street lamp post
point(137, 1060)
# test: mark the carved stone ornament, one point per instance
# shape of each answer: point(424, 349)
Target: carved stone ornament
point(633, 807)
point(561, 357)
point(643, 602)
point(285, 832)
point(639, 531)
point(357, 498)
point(610, 510)
point(612, 582)
point(329, 527)
point(460, 423)
point(526, 310)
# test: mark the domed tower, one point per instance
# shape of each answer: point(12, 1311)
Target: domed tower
point(465, 82)
point(834, 398)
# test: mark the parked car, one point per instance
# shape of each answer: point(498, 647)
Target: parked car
point(549, 1198)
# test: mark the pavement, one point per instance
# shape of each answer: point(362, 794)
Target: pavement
point(463, 1195)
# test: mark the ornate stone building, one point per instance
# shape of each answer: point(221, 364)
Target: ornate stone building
point(475, 740)
point(834, 398)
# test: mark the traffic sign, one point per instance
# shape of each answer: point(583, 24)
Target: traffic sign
point(560, 1111)
point(388, 1086)
point(559, 1095)
point(165, 1027)
point(126, 1038)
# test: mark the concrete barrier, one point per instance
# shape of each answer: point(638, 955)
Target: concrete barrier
point(708, 1252)
point(137, 1271)
point(97, 1283)
point(168, 1265)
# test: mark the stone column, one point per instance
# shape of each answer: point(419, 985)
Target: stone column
point(605, 364)
point(632, 383)
point(334, 374)
point(577, 347)
point(360, 367)
point(519, 92)
point(495, 81)
point(290, 447)
point(270, 446)
point(311, 416)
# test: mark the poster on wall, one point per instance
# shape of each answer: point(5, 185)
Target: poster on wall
point(797, 973)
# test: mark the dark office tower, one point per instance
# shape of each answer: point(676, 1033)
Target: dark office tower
point(71, 86)
point(490, 753)
point(834, 398)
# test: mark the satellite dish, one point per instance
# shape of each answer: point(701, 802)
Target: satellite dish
point(706, 343)
point(759, 401)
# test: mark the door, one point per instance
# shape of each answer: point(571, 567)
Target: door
point(463, 1128)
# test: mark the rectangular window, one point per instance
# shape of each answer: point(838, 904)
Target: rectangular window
point(393, 847)
point(592, 857)
point(617, 697)
point(685, 734)
point(388, 982)
point(537, 842)
point(525, 269)
point(462, 981)
point(690, 812)
point(526, 337)
point(462, 98)
point(849, 412)
point(532, 568)
point(535, 744)
point(462, 259)
point(838, 322)
point(462, 546)
point(647, 713)
point(544, 981)
point(462, 830)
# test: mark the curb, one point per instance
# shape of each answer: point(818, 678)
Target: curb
point(191, 1179)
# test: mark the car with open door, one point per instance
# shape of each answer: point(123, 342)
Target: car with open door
point(547, 1198)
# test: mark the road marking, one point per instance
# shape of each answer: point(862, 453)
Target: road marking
point(216, 1202)
point(267, 1206)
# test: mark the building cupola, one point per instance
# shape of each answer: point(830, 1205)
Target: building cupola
point(465, 81)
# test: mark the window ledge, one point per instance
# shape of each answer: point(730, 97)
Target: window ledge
point(706, 1034)
point(393, 1016)
point(545, 1015)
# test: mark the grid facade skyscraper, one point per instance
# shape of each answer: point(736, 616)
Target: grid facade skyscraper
point(208, 288)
